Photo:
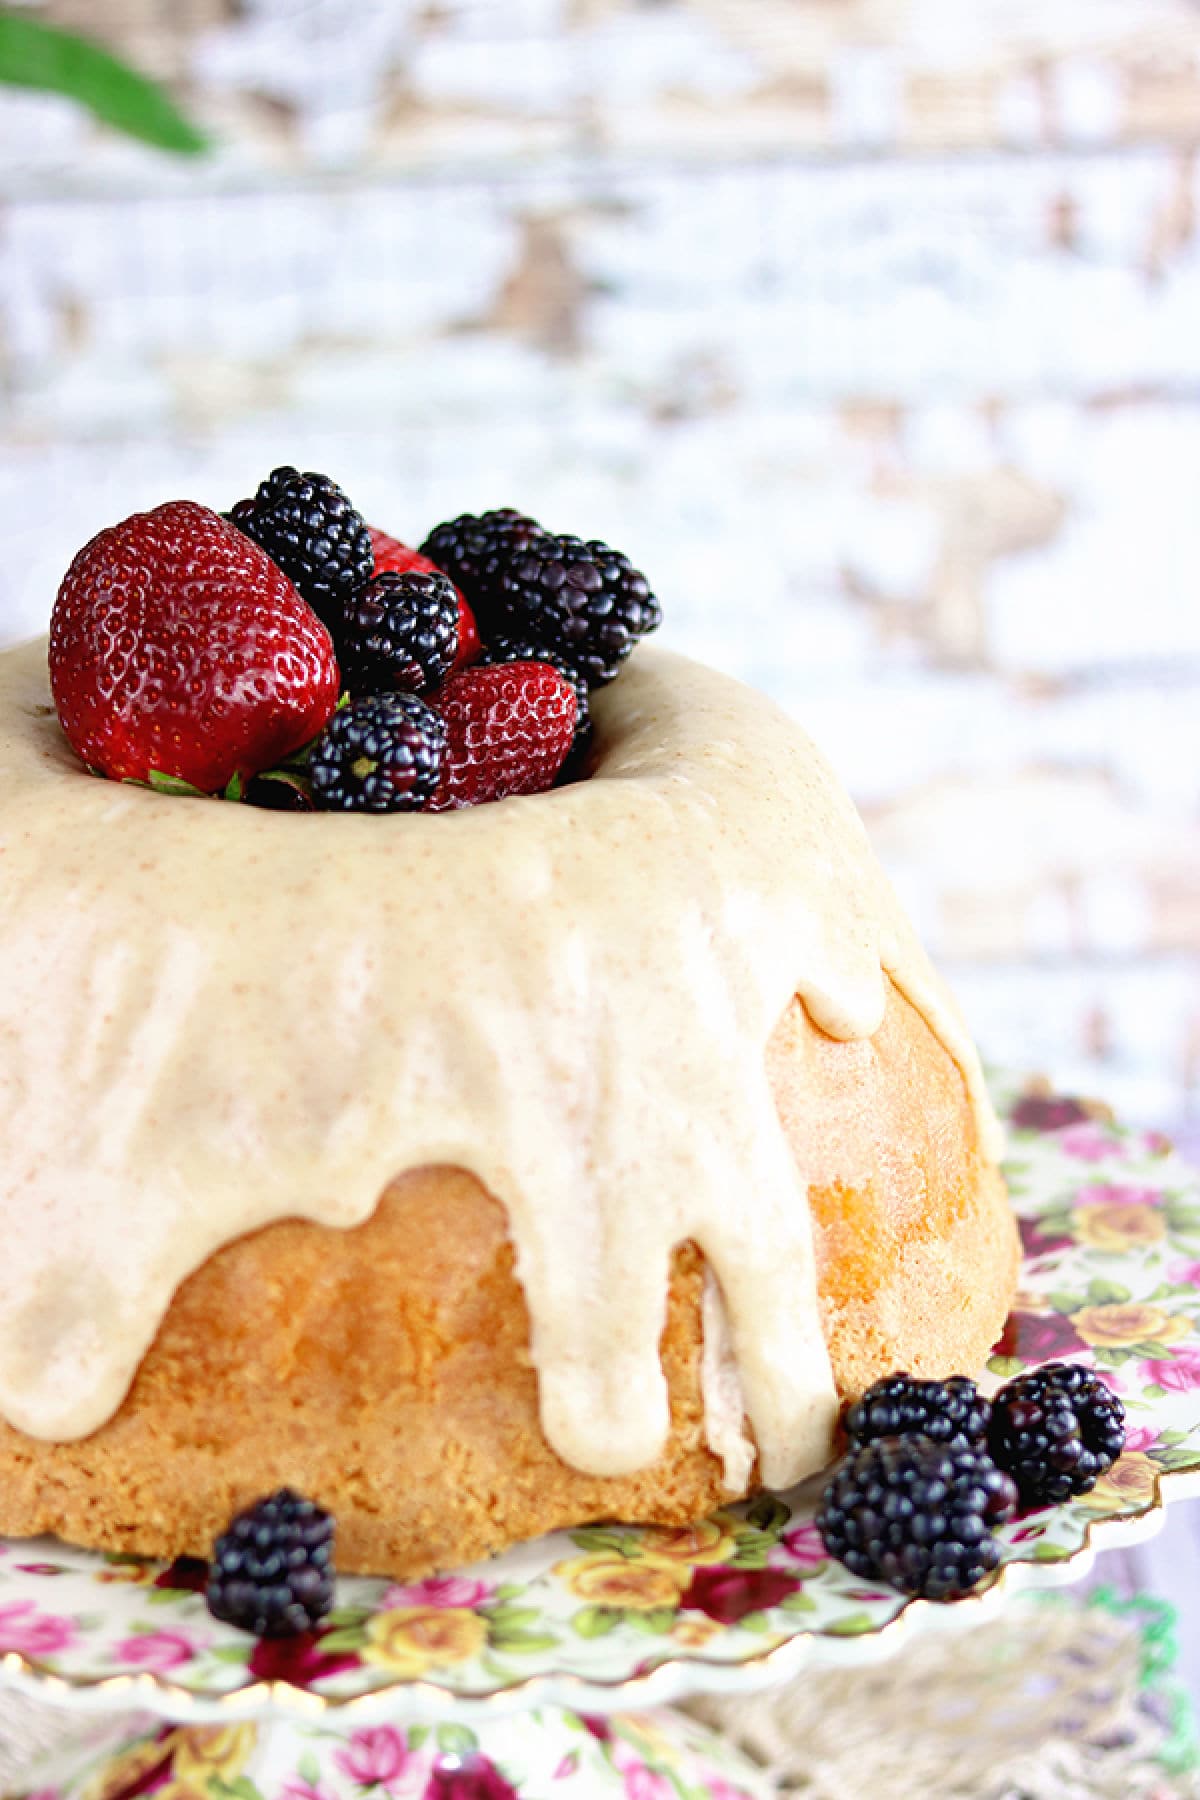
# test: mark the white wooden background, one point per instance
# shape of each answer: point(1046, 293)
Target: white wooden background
point(870, 327)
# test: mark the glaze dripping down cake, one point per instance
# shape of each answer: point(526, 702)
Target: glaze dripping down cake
point(563, 1158)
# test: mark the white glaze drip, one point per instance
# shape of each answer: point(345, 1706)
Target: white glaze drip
point(213, 1017)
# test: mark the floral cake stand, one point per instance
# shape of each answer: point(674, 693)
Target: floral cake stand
point(516, 1677)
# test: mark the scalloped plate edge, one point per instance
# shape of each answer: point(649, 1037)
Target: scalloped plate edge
point(426, 1701)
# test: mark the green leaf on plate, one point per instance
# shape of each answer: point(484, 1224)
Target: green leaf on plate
point(595, 1621)
point(309, 1769)
point(522, 1642)
point(1047, 1552)
point(45, 58)
point(769, 1515)
point(1006, 1366)
point(350, 1637)
point(853, 1625)
point(456, 1740)
point(1107, 1293)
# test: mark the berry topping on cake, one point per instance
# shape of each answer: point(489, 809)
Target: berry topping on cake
point(584, 601)
point(917, 1514)
point(950, 1412)
point(305, 523)
point(391, 554)
point(380, 754)
point(399, 632)
point(509, 730)
point(474, 548)
point(504, 649)
point(1056, 1430)
point(179, 649)
point(272, 1570)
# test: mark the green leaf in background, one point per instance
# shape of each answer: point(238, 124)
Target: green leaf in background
point(33, 55)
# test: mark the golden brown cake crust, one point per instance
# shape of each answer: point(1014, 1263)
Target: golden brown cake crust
point(386, 1372)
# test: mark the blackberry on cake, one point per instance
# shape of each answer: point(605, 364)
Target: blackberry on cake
point(917, 1514)
point(308, 527)
point(380, 754)
point(400, 632)
point(473, 548)
point(272, 1570)
point(1056, 1430)
point(583, 600)
point(951, 1412)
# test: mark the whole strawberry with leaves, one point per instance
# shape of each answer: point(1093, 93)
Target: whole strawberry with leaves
point(179, 652)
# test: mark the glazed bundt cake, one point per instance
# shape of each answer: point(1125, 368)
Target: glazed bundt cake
point(564, 1158)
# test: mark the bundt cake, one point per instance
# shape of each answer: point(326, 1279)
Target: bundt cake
point(557, 1159)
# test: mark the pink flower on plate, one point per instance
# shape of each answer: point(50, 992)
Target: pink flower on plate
point(32, 1633)
point(1114, 1193)
point(1139, 1437)
point(1188, 1272)
point(720, 1789)
point(642, 1783)
point(437, 1590)
point(1177, 1373)
point(1089, 1142)
point(805, 1546)
point(156, 1650)
point(303, 1790)
point(375, 1758)
point(474, 1778)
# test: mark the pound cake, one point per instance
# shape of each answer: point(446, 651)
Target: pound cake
point(474, 1169)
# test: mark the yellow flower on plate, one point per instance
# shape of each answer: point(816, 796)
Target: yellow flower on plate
point(411, 1639)
point(139, 1574)
point(1128, 1485)
point(126, 1770)
point(1129, 1322)
point(709, 1541)
point(692, 1632)
point(207, 1754)
point(1118, 1227)
point(614, 1581)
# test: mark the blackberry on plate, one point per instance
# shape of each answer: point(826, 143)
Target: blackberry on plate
point(308, 528)
point(1056, 1430)
point(585, 601)
point(272, 1569)
point(916, 1514)
point(399, 632)
point(951, 1412)
point(473, 548)
point(505, 649)
point(378, 755)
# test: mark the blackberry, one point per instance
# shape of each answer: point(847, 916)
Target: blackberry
point(272, 1570)
point(308, 527)
point(504, 649)
point(950, 1412)
point(473, 548)
point(399, 632)
point(584, 600)
point(1056, 1431)
point(379, 754)
point(916, 1514)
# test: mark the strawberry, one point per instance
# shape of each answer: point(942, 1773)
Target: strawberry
point(508, 729)
point(390, 553)
point(178, 648)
